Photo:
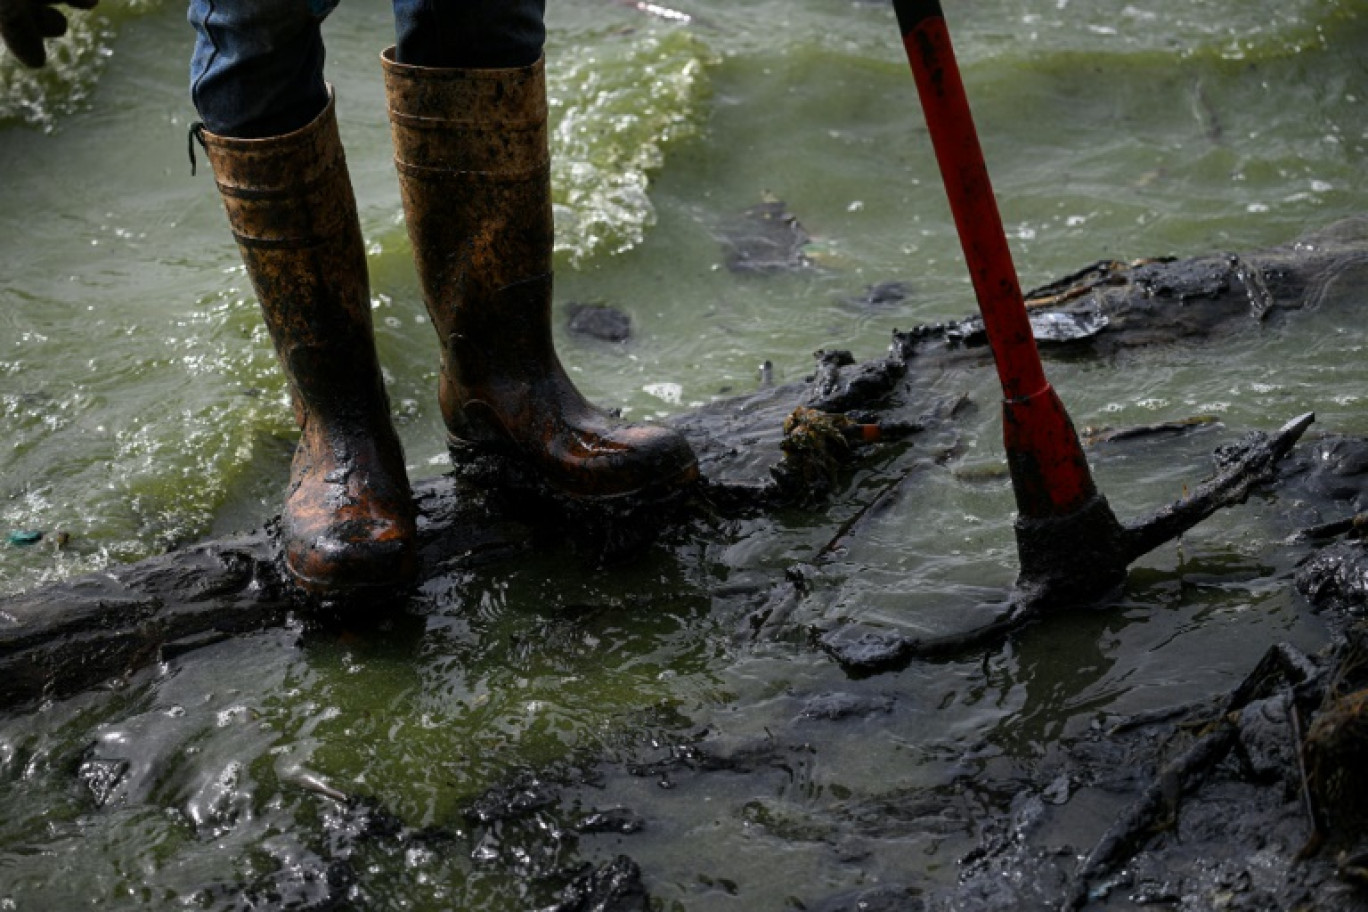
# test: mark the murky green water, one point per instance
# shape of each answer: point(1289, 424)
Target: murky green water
point(141, 408)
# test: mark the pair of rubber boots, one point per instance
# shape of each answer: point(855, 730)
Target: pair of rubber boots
point(471, 152)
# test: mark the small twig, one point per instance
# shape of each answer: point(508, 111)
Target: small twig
point(785, 596)
point(1077, 284)
point(1335, 529)
point(311, 782)
point(881, 501)
point(1313, 816)
point(1092, 436)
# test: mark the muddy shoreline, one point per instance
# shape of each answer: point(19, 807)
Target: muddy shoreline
point(1207, 802)
point(57, 640)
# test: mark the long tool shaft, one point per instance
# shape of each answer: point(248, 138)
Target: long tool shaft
point(1050, 474)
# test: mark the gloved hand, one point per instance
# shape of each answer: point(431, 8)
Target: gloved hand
point(25, 23)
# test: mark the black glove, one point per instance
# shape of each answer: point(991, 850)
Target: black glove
point(25, 23)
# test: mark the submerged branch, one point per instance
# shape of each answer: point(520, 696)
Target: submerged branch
point(1249, 464)
point(1074, 560)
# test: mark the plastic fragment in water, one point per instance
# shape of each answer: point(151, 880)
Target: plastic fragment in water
point(1047, 326)
point(22, 537)
point(1067, 326)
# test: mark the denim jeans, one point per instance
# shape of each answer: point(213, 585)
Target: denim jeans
point(257, 68)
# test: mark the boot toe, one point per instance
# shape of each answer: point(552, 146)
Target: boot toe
point(352, 555)
point(627, 460)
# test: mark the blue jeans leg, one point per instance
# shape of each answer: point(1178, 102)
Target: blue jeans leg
point(476, 34)
point(257, 68)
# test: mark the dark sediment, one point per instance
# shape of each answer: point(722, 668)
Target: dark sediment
point(1218, 806)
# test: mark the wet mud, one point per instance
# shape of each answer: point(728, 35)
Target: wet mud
point(1250, 802)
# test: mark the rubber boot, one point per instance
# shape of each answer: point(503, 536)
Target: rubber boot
point(474, 172)
point(349, 517)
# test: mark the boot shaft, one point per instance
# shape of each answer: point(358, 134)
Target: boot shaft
point(288, 192)
point(471, 150)
point(490, 121)
point(292, 212)
point(474, 171)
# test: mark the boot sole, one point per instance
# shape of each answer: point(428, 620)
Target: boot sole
point(331, 590)
point(511, 469)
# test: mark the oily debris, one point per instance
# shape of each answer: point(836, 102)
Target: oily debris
point(599, 321)
point(880, 296)
point(766, 239)
point(815, 447)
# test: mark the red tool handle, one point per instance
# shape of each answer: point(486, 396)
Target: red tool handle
point(1049, 472)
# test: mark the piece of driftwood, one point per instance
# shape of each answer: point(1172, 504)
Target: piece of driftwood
point(60, 639)
point(1281, 667)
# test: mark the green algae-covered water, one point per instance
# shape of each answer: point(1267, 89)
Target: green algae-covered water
point(141, 409)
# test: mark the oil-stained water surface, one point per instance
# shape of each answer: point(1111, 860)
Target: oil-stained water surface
point(141, 409)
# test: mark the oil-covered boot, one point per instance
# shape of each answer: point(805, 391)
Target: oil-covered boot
point(349, 518)
point(474, 172)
